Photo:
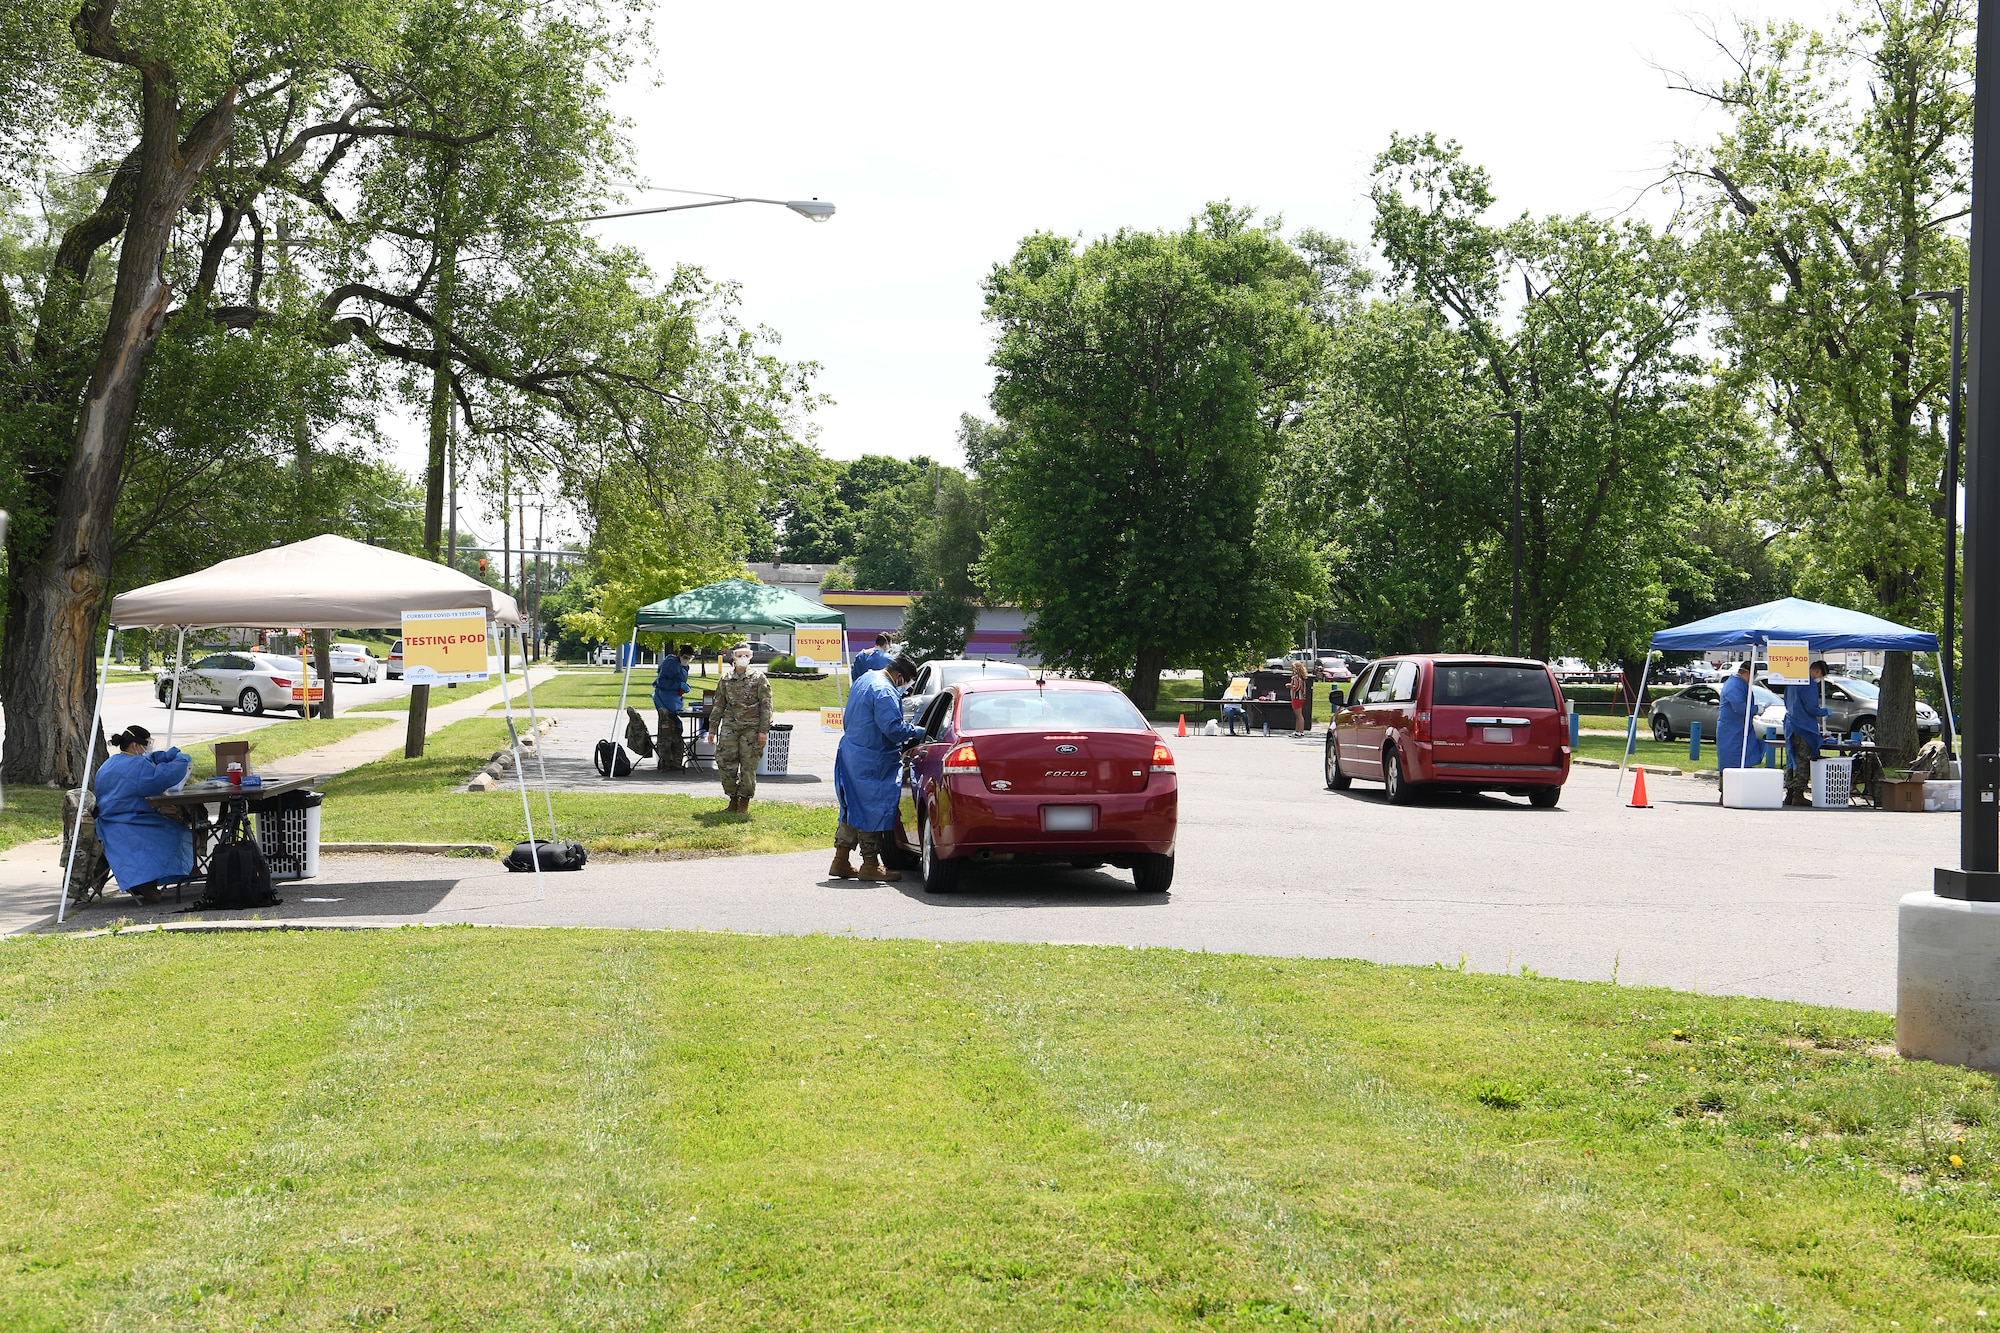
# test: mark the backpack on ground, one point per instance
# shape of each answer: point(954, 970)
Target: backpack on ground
point(552, 855)
point(637, 734)
point(238, 876)
point(612, 761)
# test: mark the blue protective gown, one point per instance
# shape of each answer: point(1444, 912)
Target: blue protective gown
point(142, 845)
point(671, 685)
point(872, 660)
point(868, 764)
point(1730, 752)
point(1803, 712)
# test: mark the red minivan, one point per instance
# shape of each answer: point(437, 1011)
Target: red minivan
point(1038, 771)
point(1459, 721)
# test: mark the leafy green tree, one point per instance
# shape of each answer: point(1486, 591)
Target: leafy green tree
point(1836, 193)
point(938, 624)
point(1144, 379)
point(1598, 360)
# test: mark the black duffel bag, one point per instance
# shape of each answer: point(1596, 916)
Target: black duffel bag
point(238, 876)
point(553, 855)
point(612, 761)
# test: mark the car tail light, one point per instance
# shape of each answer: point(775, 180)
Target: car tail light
point(1163, 758)
point(963, 760)
point(1423, 731)
point(281, 682)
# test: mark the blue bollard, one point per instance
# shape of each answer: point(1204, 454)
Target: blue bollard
point(1694, 741)
point(1575, 729)
point(1770, 754)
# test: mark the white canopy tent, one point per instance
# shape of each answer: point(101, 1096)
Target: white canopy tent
point(325, 582)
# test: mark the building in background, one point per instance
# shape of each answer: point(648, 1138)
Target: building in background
point(870, 611)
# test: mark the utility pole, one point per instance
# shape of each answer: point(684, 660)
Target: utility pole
point(1956, 297)
point(1514, 414)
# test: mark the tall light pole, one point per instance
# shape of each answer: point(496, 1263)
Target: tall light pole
point(1956, 296)
point(1514, 415)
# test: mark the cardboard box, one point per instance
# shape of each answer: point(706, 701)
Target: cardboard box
point(1903, 794)
point(228, 750)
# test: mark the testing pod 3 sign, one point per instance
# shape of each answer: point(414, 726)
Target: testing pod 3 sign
point(444, 647)
point(1791, 662)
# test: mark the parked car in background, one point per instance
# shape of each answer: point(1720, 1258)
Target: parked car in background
point(1038, 771)
point(1462, 722)
point(249, 683)
point(941, 673)
point(1334, 669)
point(392, 666)
point(354, 661)
point(1673, 716)
point(1852, 705)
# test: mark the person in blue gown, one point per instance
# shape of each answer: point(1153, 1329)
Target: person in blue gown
point(142, 845)
point(1737, 705)
point(875, 659)
point(868, 768)
point(1803, 712)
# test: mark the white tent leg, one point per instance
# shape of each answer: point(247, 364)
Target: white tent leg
point(174, 686)
point(535, 728)
point(1950, 716)
point(631, 656)
point(83, 787)
point(520, 774)
point(1632, 727)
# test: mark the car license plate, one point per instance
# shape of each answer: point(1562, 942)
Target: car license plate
point(1069, 818)
point(1499, 735)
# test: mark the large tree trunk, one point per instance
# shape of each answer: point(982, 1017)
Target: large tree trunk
point(1145, 689)
point(1896, 720)
point(61, 583)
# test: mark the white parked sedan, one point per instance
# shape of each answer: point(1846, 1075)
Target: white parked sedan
point(237, 681)
point(353, 660)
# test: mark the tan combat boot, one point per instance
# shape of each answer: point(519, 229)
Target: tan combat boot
point(872, 868)
point(743, 805)
point(842, 868)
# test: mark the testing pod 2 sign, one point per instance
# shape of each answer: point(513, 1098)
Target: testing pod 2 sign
point(444, 647)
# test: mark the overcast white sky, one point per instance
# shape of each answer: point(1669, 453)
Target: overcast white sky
point(945, 133)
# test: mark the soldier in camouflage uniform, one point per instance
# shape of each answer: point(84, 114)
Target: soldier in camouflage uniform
point(741, 707)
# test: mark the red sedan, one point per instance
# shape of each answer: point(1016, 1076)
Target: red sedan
point(1031, 772)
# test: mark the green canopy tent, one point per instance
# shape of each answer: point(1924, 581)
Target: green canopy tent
point(732, 606)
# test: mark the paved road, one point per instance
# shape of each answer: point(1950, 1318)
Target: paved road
point(1789, 904)
point(129, 701)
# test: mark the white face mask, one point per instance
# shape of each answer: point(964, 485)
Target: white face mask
point(742, 661)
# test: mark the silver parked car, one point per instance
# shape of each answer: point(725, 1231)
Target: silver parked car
point(935, 675)
point(1674, 716)
point(234, 681)
point(353, 660)
point(1852, 705)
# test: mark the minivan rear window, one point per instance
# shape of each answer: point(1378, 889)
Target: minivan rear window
point(1066, 710)
point(1492, 687)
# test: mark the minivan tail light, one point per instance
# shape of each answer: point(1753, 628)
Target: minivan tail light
point(963, 760)
point(1163, 758)
point(1424, 725)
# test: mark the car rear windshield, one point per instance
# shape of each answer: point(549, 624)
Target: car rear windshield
point(1064, 710)
point(1493, 687)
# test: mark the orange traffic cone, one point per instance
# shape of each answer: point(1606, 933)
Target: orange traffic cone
point(1183, 730)
point(1639, 801)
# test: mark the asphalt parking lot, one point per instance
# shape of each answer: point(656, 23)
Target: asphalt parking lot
point(1790, 904)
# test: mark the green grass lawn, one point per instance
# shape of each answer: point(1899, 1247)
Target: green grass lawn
point(1672, 754)
point(588, 687)
point(413, 800)
point(440, 696)
point(462, 1129)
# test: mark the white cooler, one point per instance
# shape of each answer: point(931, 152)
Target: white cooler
point(1832, 783)
point(1753, 788)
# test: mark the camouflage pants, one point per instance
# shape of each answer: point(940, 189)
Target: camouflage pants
point(1799, 754)
point(870, 842)
point(736, 756)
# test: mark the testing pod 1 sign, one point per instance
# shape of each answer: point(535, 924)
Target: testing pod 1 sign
point(444, 647)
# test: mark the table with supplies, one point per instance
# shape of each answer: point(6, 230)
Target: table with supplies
point(287, 812)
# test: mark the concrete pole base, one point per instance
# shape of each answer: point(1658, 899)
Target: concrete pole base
point(1948, 981)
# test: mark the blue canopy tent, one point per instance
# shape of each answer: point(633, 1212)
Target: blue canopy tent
point(1825, 628)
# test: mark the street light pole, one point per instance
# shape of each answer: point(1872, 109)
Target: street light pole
point(1514, 414)
point(1977, 877)
point(818, 210)
point(1956, 296)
